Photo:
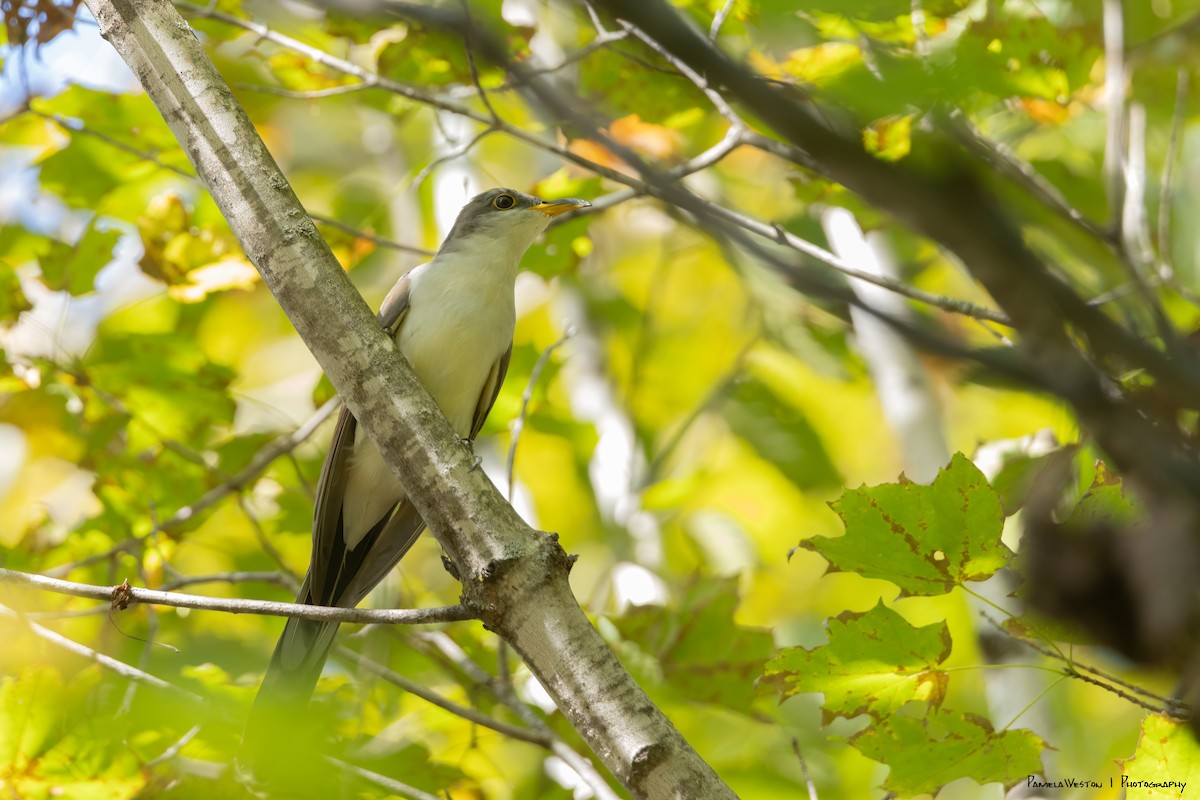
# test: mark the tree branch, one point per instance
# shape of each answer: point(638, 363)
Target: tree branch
point(108, 662)
point(123, 594)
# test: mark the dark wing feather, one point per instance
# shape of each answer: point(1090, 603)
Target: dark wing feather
point(336, 575)
point(395, 305)
point(327, 511)
point(329, 547)
point(491, 390)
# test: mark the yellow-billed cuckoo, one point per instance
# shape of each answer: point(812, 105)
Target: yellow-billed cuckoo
point(453, 320)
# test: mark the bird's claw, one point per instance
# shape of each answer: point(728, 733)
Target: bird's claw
point(470, 445)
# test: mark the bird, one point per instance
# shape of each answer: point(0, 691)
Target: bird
point(453, 319)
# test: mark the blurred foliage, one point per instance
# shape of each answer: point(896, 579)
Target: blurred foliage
point(701, 421)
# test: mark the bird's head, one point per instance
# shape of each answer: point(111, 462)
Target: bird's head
point(504, 220)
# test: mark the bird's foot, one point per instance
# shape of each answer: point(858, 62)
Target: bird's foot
point(470, 445)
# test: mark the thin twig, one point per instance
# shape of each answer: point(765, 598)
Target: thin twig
point(503, 692)
point(391, 784)
point(526, 397)
point(469, 47)
point(1006, 161)
point(808, 782)
point(78, 126)
point(262, 459)
point(286, 573)
point(381, 241)
point(1166, 269)
point(109, 663)
point(174, 749)
point(602, 40)
point(274, 577)
point(307, 94)
point(124, 593)
point(456, 152)
point(719, 19)
point(1097, 676)
point(714, 394)
point(718, 101)
point(1114, 99)
point(414, 688)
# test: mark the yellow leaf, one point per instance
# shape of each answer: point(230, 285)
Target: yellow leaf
point(889, 138)
point(234, 272)
point(653, 140)
point(822, 62)
point(1046, 111)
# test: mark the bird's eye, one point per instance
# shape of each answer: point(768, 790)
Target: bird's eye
point(504, 201)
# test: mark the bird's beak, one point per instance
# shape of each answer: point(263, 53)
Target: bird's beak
point(552, 208)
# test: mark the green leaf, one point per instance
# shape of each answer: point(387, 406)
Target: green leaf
point(1104, 502)
point(74, 268)
point(889, 138)
point(875, 662)
point(131, 119)
point(1166, 761)
point(926, 754)
point(87, 169)
point(19, 245)
point(49, 749)
point(703, 654)
point(924, 539)
point(1019, 476)
point(28, 722)
point(165, 380)
point(12, 299)
point(780, 434)
point(616, 82)
point(427, 56)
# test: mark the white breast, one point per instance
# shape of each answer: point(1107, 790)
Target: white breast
point(460, 321)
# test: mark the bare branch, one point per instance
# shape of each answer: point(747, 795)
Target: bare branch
point(1008, 163)
point(719, 18)
point(1165, 195)
point(277, 578)
point(176, 746)
point(1097, 677)
point(454, 153)
point(1114, 100)
point(951, 205)
point(124, 594)
point(526, 397)
point(109, 663)
point(414, 688)
point(503, 692)
point(391, 784)
point(307, 94)
point(262, 459)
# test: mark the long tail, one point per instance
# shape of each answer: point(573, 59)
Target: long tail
point(296, 664)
